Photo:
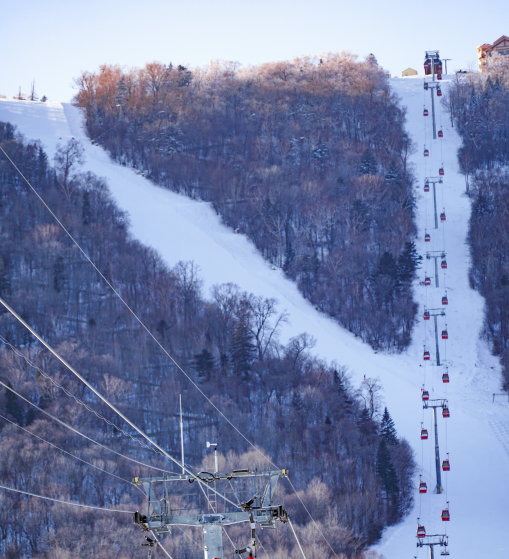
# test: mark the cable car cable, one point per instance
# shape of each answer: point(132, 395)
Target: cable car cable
point(64, 502)
point(153, 338)
point(136, 317)
point(99, 395)
point(314, 522)
point(65, 451)
point(296, 538)
point(82, 434)
point(75, 398)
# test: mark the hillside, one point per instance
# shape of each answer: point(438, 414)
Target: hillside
point(477, 436)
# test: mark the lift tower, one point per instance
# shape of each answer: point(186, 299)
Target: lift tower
point(440, 403)
point(434, 181)
point(434, 313)
point(432, 56)
point(436, 254)
point(431, 541)
point(160, 516)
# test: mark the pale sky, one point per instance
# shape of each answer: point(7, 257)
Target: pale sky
point(53, 41)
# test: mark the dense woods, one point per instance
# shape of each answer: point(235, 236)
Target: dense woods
point(344, 455)
point(307, 157)
point(478, 106)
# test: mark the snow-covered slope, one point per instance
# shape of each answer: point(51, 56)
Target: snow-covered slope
point(477, 433)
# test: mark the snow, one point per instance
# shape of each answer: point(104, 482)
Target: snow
point(477, 433)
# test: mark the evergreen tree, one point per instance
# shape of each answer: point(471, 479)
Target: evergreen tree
point(204, 363)
point(242, 348)
point(393, 177)
point(12, 406)
point(387, 266)
point(368, 164)
point(408, 262)
point(388, 430)
point(86, 209)
point(5, 283)
point(385, 469)
point(58, 274)
point(289, 258)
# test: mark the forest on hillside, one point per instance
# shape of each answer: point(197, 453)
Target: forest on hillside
point(478, 106)
point(349, 466)
point(307, 157)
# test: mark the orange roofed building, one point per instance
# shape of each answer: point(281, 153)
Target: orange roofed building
point(499, 48)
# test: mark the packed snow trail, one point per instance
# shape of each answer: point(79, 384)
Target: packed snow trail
point(477, 433)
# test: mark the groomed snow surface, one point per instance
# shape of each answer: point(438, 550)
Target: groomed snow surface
point(477, 433)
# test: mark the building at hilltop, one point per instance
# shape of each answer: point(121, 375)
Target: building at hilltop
point(409, 72)
point(499, 48)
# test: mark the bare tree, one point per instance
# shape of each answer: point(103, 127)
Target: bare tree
point(371, 389)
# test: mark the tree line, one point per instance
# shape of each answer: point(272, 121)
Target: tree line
point(307, 157)
point(346, 460)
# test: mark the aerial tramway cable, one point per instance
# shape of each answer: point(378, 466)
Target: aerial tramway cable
point(64, 451)
point(156, 341)
point(75, 398)
point(82, 434)
point(64, 502)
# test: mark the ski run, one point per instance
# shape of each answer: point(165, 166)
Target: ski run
point(476, 436)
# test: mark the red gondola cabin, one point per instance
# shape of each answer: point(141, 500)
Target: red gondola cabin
point(445, 412)
point(421, 531)
point(440, 134)
point(427, 237)
point(446, 465)
point(426, 315)
point(424, 434)
point(425, 395)
point(426, 86)
point(445, 378)
point(445, 515)
point(445, 336)
point(426, 355)
point(426, 153)
point(445, 301)
point(425, 112)
point(441, 171)
point(427, 281)
point(426, 187)
point(442, 216)
point(427, 66)
point(439, 92)
point(423, 488)
point(444, 264)
point(439, 77)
